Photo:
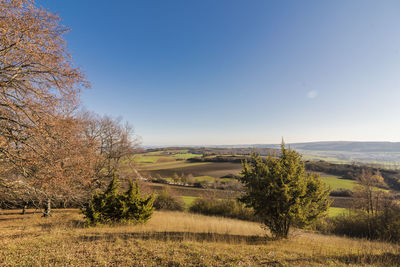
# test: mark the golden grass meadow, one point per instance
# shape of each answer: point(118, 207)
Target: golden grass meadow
point(175, 239)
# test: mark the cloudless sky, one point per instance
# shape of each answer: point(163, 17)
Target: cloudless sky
point(240, 72)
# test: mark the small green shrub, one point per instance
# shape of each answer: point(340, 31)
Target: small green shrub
point(222, 207)
point(112, 206)
point(166, 201)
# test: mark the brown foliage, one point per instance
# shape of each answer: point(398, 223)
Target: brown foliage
point(367, 195)
point(42, 148)
point(116, 142)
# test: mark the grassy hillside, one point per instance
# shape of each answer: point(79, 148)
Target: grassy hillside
point(335, 182)
point(175, 239)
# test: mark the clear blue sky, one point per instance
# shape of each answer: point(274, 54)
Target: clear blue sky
point(240, 72)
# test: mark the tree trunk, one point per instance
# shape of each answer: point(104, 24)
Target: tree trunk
point(47, 209)
point(23, 209)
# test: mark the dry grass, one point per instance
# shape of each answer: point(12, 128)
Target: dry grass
point(174, 239)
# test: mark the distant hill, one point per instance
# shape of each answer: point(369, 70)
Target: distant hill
point(343, 146)
point(347, 146)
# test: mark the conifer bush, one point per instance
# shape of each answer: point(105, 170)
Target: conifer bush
point(281, 193)
point(112, 206)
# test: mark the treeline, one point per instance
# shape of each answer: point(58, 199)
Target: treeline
point(231, 159)
point(233, 151)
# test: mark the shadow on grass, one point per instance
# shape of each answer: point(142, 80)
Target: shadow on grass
point(8, 215)
point(48, 226)
point(19, 213)
point(15, 215)
point(384, 259)
point(179, 236)
point(10, 219)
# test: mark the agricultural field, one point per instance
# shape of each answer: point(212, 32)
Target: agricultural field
point(173, 163)
point(159, 158)
point(191, 191)
point(188, 200)
point(336, 182)
point(170, 163)
point(167, 164)
point(335, 211)
point(214, 169)
point(175, 239)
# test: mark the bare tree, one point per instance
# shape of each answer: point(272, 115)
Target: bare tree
point(37, 80)
point(40, 143)
point(369, 196)
point(116, 142)
point(61, 168)
point(368, 192)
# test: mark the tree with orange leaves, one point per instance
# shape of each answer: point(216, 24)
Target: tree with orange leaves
point(41, 145)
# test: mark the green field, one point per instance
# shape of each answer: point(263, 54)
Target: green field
point(188, 200)
point(336, 182)
point(140, 158)
point(185, 156)
point(157, 157)
point(204, 178)
point(169, 165)
point(333, 211)
point(213, 169)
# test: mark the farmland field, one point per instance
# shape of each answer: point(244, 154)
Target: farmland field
point(192, 192)
point(213, 169)
point(334, 211)
point(167, 165)
point(188, 200)
point(336, 182)
point(171, 163)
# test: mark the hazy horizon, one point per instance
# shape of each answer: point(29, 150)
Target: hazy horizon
point(234, 72)
point(277, 143)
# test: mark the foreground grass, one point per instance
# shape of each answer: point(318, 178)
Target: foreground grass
point(174, 239)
